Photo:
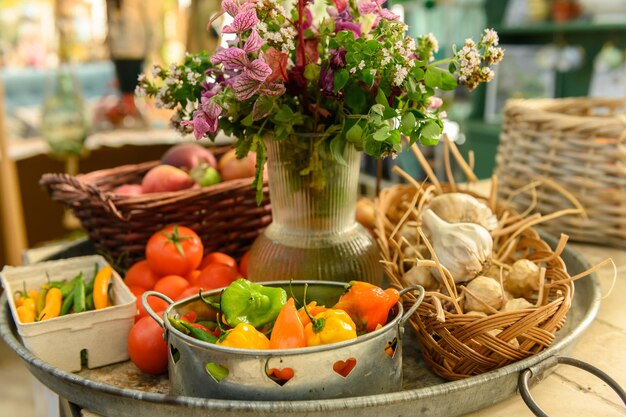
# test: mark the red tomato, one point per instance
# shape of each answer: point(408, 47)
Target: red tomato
point(243, 264)
point(171, 285)
point(217, 276)
point(155, 303)
point(193, 277)
point(137, 292)
point(146, 346)
point(140, 274)
point(219, 258)
point(174, 250)
point(188, 293)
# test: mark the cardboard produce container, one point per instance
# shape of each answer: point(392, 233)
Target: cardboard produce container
point(103, 333)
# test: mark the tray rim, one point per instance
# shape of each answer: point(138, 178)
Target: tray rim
point(310, 405)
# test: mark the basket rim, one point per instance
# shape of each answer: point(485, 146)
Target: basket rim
point(552, 109)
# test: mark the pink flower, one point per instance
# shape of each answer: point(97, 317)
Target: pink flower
point(205, 119)
point(245, 20)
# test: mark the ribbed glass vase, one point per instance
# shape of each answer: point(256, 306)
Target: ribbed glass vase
point(313, 234)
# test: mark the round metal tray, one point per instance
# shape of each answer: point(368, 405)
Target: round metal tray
point(121, 390)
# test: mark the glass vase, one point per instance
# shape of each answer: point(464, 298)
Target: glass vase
point(313, 234)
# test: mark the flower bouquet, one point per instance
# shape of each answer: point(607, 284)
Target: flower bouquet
point(308, 94)
point(350, 76)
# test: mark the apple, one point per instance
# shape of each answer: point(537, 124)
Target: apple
point(232, 168)
point(129, 189)
point(188, 156)
point(165, 178)
point(205, 175)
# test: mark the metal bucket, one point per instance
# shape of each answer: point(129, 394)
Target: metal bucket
point(375, 358)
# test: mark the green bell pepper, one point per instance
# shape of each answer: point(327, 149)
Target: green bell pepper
point(246, 302)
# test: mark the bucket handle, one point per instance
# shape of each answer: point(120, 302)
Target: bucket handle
point(417, 302)
point(524, 377)
point(149, 310)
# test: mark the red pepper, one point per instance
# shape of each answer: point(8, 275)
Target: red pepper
point(189, 317)
point(367, 304)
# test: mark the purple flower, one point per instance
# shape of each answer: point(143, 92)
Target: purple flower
point(347, 25)
point(338, 58)
point(327, 81)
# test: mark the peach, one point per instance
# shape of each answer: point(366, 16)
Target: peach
point(165, 178)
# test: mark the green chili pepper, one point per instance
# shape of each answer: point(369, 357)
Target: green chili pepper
point(68, 301)
point(89, 302)
point(79, 295)
point(246, 302)
point(178, 325)
point(198, 332)
point(41, 298)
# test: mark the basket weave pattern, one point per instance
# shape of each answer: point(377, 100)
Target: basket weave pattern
point(225, 215)
point(579, 143)
point(458, 345)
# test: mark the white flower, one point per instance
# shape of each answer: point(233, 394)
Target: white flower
point(361, 64)
point(400, 75)
point(490, 37)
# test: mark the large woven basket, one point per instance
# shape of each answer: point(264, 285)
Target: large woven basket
point(225, 216)
point(579, 144)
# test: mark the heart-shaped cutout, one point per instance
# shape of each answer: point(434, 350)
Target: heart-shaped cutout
point(217, 372)
point(391, 347)
point(344, 368)
point(175, 354)
point(280, 376)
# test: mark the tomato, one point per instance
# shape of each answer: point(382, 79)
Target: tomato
point(217, 276)
point(188, 293)
point(218, 257)
point(171, 285)
point(174, 250)
point(141, 275)
point(146, 347)
point(137, 292)
point(193, 277)
point(155, 303)
point(243, 264)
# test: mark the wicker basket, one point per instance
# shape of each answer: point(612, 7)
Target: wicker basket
point(225, 215)
point(578, 143)
point(458, 345)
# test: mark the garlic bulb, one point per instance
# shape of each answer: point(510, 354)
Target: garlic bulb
point(463, 248)
point(487, 291)
point(419, 275)
point(409, 232)
point(463, 208)
point(515, 304)
point(523, 279)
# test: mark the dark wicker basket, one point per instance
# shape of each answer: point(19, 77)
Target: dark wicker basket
point(225, 216)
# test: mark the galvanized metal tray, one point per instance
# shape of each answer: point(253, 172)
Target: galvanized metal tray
point(121, 390)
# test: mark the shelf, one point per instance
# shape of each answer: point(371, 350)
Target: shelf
point(549, 28)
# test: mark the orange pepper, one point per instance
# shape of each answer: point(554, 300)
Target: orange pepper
point(101, 287)
point(313, 309)
point(52, 308)
point(288, 331)
point(367, 304)
point(26, 314)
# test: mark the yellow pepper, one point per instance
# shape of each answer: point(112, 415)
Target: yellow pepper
point(26, 314)
point(52, 309)
point(101, 287)
point(244, 336)
point(330, 326)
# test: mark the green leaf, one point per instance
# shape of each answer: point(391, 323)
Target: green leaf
point(452, 67)
point(448, 82)
point(354, 134)
point(377, 109)
point(337, 146)
point(381, 99)
point(417, 74)
point(408, 123)
point(394, 137)
point(430, 130)
point(372, 47)
point(248, 120)
point(381, 134)
point(367, 76)
point(262, 107)
point(312, 72)
point(432, 78)
point(284, 115)
point(341, 78)
point(355, 98)
point(373, 148)
point(389, 113)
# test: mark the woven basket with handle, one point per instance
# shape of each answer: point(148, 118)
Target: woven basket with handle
point(580, 144)
point(225, 216)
